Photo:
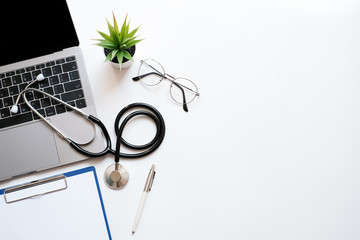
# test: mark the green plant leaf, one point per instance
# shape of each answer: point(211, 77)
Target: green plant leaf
point(132, 33)
point(127, 55)
point(105, 36)
point(119, 56)
point(133, 42)
point(113, 34)
point(116, 27)
point(127, 40)
point(123, 30)
point(127, 29)
point(113, 53)
point(108, 57)
point(106, 44)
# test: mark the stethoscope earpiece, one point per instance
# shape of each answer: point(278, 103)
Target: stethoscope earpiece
point(14, 109)
point(116, 176)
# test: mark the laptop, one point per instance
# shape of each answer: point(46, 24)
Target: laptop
point(39, 37)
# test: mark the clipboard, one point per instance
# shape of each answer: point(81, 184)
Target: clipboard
point(65, 206)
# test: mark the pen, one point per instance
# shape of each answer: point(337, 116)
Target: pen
point(147, 189)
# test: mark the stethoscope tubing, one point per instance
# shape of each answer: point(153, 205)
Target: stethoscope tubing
point(150, 112)
point(150, 147)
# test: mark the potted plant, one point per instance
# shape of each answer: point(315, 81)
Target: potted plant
point(119, 45)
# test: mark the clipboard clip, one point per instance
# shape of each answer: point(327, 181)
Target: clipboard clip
point(35, 189)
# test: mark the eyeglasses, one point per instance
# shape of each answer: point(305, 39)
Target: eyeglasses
point(182, 90)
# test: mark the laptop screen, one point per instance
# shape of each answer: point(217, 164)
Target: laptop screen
point(34, 28)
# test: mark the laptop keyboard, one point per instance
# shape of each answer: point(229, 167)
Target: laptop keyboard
point(62, 80)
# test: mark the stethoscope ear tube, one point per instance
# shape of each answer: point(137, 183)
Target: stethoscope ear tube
point(107, 149)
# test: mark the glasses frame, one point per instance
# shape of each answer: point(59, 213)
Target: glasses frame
point(167, 77)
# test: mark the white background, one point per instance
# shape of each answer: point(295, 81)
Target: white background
point(270, 149)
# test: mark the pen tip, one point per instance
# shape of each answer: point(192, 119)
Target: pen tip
point(133, 232)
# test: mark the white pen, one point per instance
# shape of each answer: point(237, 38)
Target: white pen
point(147, 189)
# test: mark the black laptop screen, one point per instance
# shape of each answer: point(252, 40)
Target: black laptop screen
point(34, 28)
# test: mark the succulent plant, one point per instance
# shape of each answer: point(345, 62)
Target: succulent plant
point(118, 41)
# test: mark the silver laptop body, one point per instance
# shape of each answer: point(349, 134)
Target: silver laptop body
point(30, 146)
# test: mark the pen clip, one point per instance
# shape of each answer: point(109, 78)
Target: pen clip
point(151, 181)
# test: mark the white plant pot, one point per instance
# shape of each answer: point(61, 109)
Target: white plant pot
point(125, 64)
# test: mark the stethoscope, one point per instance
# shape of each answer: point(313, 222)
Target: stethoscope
point(116, 176)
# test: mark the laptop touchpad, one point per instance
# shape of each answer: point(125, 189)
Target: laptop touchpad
point(26, 149)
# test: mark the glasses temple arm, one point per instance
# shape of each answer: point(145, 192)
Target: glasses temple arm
point(137, 78)
point(183, 93)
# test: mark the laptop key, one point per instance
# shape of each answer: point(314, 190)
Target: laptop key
point(49, 90)
point(4, 92)
point(26, 77)
point(46, 72)
point(49, 64)
point(35, 104)
point(19, 71)
point(72, 58)
point(44, 83)
point(54, 80)
point(11, 73)
point(57, 69)
point(74, 75)
point(24, 108)
point(6, 82)
point(14, 90)
point(16, 79)
point(40, 66)
point(60, 108)
point(8, 101)
point(14, 120)
point(59, 89)
point(59, 61)
point(70, 66)
point(72, 85)
point(45, 102)
point(50, 111)
point(38, 95)
point(80, 103)
point(29, 69)
point(5, 112)
point(70, 96)
point(29, 96)
point(64, 77)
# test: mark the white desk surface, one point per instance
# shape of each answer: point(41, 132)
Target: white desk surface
point(271, 148)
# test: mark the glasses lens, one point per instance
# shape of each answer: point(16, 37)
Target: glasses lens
point(182, 84)
point(151, 72)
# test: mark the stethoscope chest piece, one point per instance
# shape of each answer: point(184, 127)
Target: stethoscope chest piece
point(116, 176)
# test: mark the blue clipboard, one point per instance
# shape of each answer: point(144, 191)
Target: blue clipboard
point(65, 206)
